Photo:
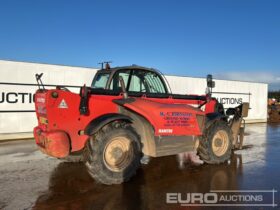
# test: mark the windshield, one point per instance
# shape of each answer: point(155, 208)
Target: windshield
point(100, 80)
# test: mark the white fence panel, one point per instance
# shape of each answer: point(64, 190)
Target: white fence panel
point(18, 97)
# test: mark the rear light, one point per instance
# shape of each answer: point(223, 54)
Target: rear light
point(54, 94)
point(43, 120)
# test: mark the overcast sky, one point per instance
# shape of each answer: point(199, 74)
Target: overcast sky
point(231, 39)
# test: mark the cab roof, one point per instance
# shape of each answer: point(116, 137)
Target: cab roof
point(134, 67)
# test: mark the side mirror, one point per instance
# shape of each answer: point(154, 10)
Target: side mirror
point(210, 82)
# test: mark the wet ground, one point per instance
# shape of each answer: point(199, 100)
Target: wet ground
point(31, 180)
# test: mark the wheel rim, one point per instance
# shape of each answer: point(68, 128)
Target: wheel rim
point(220, 143)
point(118, 154)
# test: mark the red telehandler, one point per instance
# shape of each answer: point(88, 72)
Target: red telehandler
point(129, 112)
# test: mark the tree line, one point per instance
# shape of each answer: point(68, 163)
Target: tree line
point(274, 94)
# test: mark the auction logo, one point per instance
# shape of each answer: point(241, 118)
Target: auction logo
point(224, 198)
point(229, 100)
point(15, 97)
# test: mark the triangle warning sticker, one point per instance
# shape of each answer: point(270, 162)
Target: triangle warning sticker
point(63, 104)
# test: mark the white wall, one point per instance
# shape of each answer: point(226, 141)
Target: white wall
point(240, 92)
point(23, 72)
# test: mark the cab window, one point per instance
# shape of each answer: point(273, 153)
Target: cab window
point(115, 84)
point(146, 81)
point(138, 81)
point(100, 80)
point(155, 83)
point(136, 84)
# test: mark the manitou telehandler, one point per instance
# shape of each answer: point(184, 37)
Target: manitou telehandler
point(130, 112)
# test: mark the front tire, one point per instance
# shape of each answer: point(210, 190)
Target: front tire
point(216, 145)
point(113, 155)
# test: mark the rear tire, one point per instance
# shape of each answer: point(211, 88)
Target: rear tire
point(113, 155)
point(216, 145)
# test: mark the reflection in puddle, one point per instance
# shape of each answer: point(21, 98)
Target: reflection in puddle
point(254, 150)
point(70, 187)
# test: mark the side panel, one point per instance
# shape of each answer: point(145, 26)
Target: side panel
point(62, 113)
point(144, 129)
point(171, 145)
point(168, 119)
point(157, 146)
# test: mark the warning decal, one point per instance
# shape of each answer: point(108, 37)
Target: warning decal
point(63, 104)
